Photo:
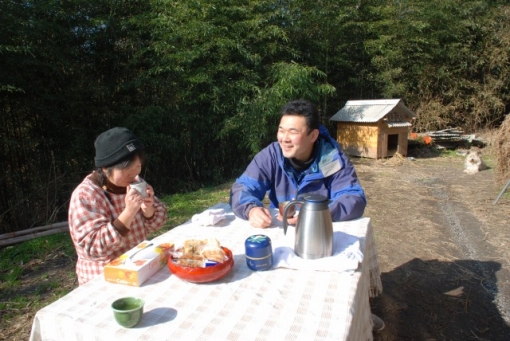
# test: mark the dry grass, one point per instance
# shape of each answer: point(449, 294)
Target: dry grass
point(502, 151)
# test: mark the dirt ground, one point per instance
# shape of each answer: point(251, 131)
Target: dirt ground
point(443, 249)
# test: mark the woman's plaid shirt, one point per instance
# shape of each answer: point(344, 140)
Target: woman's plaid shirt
point(97, 241)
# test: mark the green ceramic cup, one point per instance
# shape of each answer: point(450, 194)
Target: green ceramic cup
point(128, 311)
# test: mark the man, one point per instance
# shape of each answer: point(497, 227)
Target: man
point(305, 159)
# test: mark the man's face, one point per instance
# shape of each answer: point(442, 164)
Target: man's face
point(294, 139)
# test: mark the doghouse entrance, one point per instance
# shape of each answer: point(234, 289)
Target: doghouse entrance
point(392, 144)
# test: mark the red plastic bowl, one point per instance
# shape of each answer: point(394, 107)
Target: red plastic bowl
point(203, 275)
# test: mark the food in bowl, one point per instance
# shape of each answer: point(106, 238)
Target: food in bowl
point(201, 261)
point(196, 253)
point(200, 274)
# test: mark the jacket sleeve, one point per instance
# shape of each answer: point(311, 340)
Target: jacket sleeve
point(250, 188)
point(346, 193)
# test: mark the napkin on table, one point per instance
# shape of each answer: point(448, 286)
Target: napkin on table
point(346, 256)
point(209, 217)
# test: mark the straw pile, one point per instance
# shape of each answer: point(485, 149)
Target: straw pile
point(502, 149)
point(396, 160)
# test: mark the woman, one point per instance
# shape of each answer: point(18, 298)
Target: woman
point(106, 216)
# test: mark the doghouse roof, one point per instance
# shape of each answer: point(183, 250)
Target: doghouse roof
point(370, 110)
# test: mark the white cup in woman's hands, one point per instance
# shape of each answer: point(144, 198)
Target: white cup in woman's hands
point(141, 187)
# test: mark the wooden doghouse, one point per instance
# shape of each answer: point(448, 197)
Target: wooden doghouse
point(374, 128)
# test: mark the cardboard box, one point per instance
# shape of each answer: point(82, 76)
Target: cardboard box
point(138, 264)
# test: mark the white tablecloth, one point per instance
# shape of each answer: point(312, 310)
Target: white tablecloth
point(278, 304)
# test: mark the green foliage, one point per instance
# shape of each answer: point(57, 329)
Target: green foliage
point(201, 82)
point(439, 56)
point(202, 59)
point(258, 117)
point(67, 65)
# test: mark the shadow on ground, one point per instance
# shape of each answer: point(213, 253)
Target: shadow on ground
point(435, 300)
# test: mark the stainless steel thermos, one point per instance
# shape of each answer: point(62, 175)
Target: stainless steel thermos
point(314, 229)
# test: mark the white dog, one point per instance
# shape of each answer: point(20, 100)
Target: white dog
point(474, 163)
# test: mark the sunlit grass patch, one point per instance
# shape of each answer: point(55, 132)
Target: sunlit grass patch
point(182, 206)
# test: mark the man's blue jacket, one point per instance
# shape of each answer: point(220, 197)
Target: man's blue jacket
point(331, 174)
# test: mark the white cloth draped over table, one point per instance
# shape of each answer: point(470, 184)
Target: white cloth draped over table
point(209, 217)
point(246, 305)
point(346, 255)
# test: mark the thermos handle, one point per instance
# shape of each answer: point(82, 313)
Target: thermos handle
point(292, 202)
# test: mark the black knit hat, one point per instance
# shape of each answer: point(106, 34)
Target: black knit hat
point(114, 145)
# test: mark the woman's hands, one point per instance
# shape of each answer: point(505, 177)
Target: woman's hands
point(134, 202)
point(148, 203)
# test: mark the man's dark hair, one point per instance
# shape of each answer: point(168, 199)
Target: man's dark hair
point(302, 107)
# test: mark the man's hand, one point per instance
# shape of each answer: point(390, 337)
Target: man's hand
point(259, 217)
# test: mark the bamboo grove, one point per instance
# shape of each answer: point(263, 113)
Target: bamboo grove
point(201, 81)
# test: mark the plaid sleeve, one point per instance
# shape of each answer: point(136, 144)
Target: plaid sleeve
point(159, 217)
point(90, 224)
